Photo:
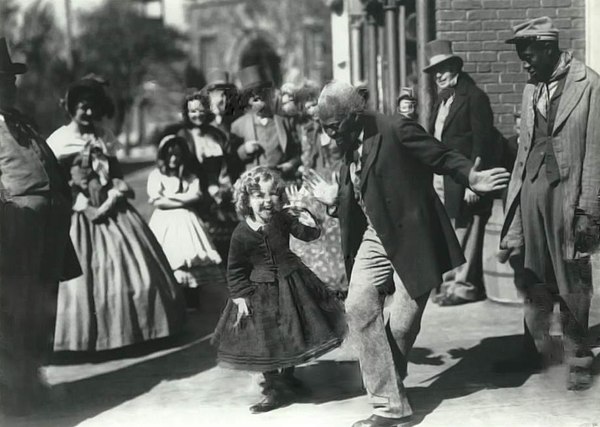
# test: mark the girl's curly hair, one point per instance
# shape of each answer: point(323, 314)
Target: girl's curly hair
point(249, 182)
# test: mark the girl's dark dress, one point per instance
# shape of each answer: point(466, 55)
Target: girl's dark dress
point(293, 317)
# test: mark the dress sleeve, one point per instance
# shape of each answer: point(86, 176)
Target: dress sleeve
point(304, 232)
point(154, 186)
point(238, 268)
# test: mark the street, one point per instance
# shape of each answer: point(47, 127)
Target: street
point(176, 382)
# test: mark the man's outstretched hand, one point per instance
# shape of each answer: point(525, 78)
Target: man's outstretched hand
point(488, 180)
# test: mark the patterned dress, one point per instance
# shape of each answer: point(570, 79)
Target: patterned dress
point(323, 255)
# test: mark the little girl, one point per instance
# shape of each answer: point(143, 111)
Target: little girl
point(175, 191)
point(280, 314)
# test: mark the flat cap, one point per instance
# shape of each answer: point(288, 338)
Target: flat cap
point(541, 29)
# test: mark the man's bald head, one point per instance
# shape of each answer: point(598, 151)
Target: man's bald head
point(338, 100)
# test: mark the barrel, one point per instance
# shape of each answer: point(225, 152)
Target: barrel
point(499, 279)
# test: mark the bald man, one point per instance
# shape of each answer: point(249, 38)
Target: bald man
point(396, 237)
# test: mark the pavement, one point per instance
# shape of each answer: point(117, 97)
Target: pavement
point(451, 382)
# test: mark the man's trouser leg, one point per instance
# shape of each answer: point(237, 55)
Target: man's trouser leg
point(402, 316)
point(465, 283)
point(365, 313)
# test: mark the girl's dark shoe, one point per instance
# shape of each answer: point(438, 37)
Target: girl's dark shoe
point(271, 401)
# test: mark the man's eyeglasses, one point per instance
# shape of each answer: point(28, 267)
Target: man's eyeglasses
point(333, 126)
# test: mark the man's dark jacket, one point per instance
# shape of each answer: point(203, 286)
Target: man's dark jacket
point(469, 129)
point(399, 159)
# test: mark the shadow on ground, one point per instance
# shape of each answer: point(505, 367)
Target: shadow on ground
point(330, 380)
point(73, 402)
point(474, 372)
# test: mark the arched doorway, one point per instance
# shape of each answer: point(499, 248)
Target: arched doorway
point(260, 52)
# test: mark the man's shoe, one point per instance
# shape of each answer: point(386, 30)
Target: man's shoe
point(377, 421)
point(270, 402)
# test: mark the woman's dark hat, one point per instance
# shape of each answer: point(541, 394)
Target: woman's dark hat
point(90, 84)
point(218, 79)
point(6, 64)
point(254, 77)
point(439, 52)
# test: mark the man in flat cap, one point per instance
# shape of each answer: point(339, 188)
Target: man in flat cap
point(552, 204)
point(35, 249)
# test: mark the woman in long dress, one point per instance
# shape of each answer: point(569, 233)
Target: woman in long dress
point(127, 293)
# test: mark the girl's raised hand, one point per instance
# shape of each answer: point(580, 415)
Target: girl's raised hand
point(295, 196)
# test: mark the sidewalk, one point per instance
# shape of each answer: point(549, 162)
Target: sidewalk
point(450, 383)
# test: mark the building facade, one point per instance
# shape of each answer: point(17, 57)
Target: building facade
point(383, 41)
point(290, 38)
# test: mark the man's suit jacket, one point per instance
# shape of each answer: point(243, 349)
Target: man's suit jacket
point(244, 130)
point(576, 142)
point(400, 158)
point(469, 129)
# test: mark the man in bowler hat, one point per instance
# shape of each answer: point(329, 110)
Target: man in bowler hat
point(552, 204)
point(263, 137)
point(396, 237)
point(462, 119)
point(35, 248)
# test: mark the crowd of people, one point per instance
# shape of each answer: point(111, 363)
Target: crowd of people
point(383, 214)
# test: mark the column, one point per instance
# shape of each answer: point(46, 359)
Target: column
point(423, 36)
point(391, 31)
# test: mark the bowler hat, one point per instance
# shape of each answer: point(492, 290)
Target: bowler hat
point(541, 29)
point(218, 79)
point(6, 64)
point(254, 77)
point(440, 51)
point(406, 93)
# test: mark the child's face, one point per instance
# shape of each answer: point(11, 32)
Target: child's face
point(174, 157)
point(311, 108)
point(264, 201)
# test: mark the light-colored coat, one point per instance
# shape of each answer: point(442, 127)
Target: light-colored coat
point(576, 142)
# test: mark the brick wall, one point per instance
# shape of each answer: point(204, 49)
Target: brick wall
point(478, 29)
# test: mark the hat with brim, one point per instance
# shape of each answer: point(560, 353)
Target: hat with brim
point(440, 52)
point(254, 77)
point(218, 79)
point(6, 64)
point(537, 29)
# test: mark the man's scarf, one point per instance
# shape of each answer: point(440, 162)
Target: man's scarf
point(545, 90)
